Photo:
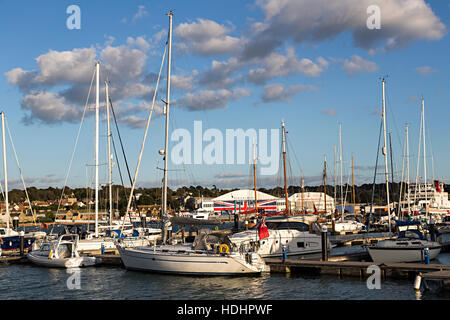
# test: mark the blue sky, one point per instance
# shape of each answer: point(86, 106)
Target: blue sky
point(236, 64)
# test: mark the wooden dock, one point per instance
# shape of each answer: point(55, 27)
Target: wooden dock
point(352, 268)
point(9, 259)
point(359, 239)
point(437, 275)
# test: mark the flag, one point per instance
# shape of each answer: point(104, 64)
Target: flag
point(438, 187)
point(263, 231)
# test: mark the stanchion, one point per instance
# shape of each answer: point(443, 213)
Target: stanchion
point(324, 244)
point(22, 242)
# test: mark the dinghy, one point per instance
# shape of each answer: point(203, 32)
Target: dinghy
point(61, 253)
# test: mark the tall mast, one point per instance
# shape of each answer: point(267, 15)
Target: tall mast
point(340, 162)
point(166, 144)
point(97, 104)
point(325, 182)
point(109, 155)
point(386, 175)
point(392, 170)
point(303, 191)
point(424, 157)
point(353, 183)
point(407, 169)
point(400, 212)
point(254, 177)
point(284, 163)
point(417, 188)
point(335, 176)
point(5, 173)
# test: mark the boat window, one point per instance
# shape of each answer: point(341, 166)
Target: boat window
point(2, 231)
point(272, 225)
point(411, 234)
point(402, 243)
point(300, 244)
point(300, 226)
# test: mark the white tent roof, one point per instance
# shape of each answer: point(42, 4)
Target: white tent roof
point(315, 196)
point(246, 194)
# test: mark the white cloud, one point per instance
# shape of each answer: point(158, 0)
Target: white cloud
point(219, 76)
point(140, 13)
point(49, 108)
point(278, 92)
point(356, 64)
point(56, 91)
point(278, 65)
point(207, 37)
point(182, 82)
point(425, 70)
point(402, 22)
point(209, 99)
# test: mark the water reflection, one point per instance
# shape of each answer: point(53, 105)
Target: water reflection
point(97, 283)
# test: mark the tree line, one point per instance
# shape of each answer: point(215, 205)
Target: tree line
point(175, 198)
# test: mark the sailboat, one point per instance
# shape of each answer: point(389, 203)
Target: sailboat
point(291, 232)
point(410, 244)
point(347, 223)
point(428, 200)
point(103, 236)
point(209, 254)
point(10, 238)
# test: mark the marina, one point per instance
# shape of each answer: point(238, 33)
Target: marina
point(344, 264)
point(311, 280)
point(219, 158)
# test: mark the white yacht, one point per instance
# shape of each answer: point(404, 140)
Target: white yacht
point(61, 253)
point(210, 254)
point(291, 232)
point(410, 246)
point(200, 213)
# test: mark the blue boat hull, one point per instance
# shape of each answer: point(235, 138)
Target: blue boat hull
point(13, 243)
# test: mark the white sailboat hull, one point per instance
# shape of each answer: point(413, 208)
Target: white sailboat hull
point(74, 262)
point(145, 259)
point(395, 254)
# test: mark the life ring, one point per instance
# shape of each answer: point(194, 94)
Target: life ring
point(223, 248)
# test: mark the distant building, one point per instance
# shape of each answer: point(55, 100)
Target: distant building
point(244, 200)
point(310, 201)
point(71, 201)
point(150, 209)
point(40, 204)
point(204, 203)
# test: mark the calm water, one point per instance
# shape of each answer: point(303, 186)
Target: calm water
point(98, 283)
